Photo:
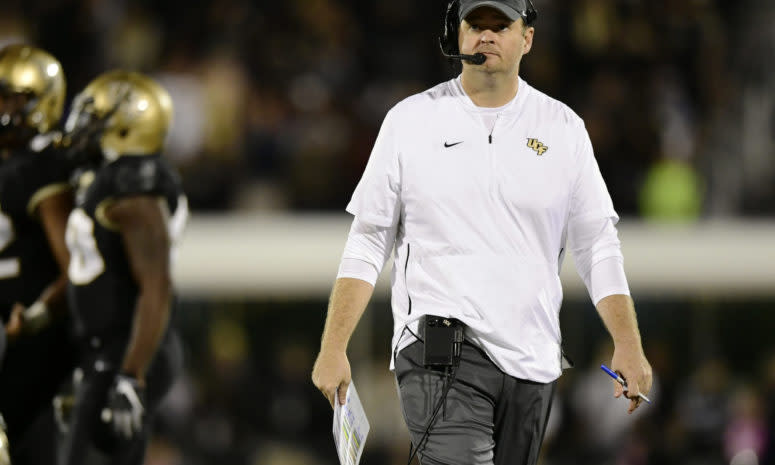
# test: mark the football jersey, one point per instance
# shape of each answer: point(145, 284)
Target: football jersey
point(102, 291)
point(27, 265)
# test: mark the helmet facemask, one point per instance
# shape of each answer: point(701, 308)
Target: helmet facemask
point(14, 109)
point(86, 125)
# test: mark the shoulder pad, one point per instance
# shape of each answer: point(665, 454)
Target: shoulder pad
point(45, 173)
point(139, 176)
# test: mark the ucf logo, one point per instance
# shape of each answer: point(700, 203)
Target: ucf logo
point(538, 146)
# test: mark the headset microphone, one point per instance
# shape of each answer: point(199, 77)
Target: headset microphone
point(475, 59)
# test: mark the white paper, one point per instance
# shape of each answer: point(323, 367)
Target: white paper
point(351, 427)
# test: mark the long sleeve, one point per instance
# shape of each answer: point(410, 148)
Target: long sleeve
point(367, 250)
point(592, 233)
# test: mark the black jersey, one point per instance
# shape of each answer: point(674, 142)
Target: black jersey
point(27, 265)
point(102, 292)
point(35, 364)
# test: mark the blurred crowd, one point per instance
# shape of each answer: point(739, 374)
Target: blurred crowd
point(278, 103)
point(712, 401)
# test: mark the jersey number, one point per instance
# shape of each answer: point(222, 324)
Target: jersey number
point(86, 263)
point(9, 267)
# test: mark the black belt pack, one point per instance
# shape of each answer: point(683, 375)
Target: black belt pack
point(443, 340)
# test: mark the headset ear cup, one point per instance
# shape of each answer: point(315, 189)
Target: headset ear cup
point(531, 14)
point(449, 36)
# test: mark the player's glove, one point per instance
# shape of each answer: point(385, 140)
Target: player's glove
point(125, 410)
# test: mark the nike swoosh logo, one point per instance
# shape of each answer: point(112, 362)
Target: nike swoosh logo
point(447, 145)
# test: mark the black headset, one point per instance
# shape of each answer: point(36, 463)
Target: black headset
point(448, 38)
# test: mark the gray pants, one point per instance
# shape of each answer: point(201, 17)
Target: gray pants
point(489, 418)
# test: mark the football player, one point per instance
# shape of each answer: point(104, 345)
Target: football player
point(130, 210)
point(35, 200)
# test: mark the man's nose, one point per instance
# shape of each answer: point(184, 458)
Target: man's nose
point(487, 37)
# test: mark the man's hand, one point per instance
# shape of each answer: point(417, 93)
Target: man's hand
point(125, 409)
point(13, 329)
point(631, 363)
point(29, 320)
point(332, 372)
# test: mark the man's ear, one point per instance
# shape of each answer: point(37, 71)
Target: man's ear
point(528, 44)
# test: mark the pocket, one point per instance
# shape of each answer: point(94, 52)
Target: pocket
point(419, 390)
point(406, 359)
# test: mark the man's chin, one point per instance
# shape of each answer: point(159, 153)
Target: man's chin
point(487, 67)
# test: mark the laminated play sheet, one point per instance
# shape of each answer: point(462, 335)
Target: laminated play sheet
point(350, 428)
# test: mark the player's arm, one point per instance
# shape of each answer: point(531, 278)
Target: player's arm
point(142, 225)
point(52, 211)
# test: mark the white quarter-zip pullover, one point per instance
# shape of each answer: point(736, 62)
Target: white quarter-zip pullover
point(479, 217)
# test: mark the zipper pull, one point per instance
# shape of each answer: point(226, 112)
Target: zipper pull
point(489, 138)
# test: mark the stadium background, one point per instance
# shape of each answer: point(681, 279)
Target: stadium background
point(277, 106)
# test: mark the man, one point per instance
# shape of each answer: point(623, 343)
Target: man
point(130, 210)
point(35, 200)
point(478, 182)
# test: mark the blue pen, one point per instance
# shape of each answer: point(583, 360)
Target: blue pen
point(621, 381)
